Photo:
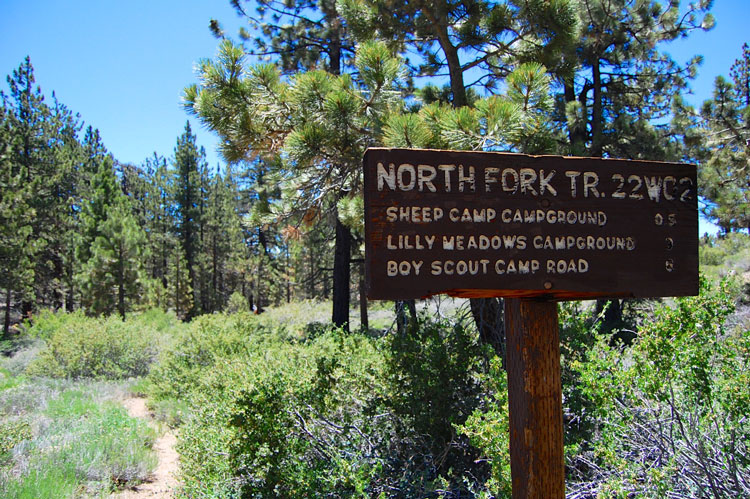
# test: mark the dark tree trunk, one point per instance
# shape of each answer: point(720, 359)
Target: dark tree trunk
point(341, 275)
point(177, 287)
point(258, 291)
point(455, 70)
point(121, 286)
point(70, 297)
point(214, 275)
point(363, 319)
point(597, 116)
point(6, 321)
point(311, 282)
point(612, 317)
point(288, 281)
point(27, 308)
point(489, 319)
point(576, 134)
point(189, 262)
point(406, 321)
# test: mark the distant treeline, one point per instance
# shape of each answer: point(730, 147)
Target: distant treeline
point(78, 229)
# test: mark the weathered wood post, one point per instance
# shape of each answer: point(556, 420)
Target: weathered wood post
point(534, 398)
point(533, 230)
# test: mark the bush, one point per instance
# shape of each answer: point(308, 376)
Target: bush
point(321, 412)
point(671, 410)
point(488, 429)
point(283, 419)
point(198, 347)
point(237, 304)
point(729, 255)
point(433, 373)
point(85, 347)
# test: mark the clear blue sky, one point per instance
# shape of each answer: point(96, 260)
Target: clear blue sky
point(123, 65)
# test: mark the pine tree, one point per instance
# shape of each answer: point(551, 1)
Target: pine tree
point(222, 244)
point(299, 34)
point(486, 39)
point(28, 116)
point(188, 161)
point(111, 246)
point(322, 123)
point(62, 208)
point(16, 229)
point(718, 139)
point(113, 273)
point(617, 82)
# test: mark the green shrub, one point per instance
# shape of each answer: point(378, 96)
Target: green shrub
point(433, 373)
point(728, 256)
point(335, 414)
point(198, 347)
point(285, 419)
point(671, 409)
point(12, 432)
point(237, 303)
point(85, 347)
point(488, 429)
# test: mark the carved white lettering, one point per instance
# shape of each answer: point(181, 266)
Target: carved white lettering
point(406, 168)
point(386, 177)
point(426, 174)
point(590, 181)
point(528, 177)
point(466, 178)
point(579, 266)
point(489, 178)
point(544, 183)
point(517, 266)
point(403, 268)
point(573, 176)
point(504, 180)
point(447, 169)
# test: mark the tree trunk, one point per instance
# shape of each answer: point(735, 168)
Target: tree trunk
point(27, 308)
point(455, 70)
point(71, 289)
point(488, 317)
point(405, 322)
point(258, 290)
point(576, 134)
point(121, 285)
point(597, 116)
point(177, 287)
point(214, 276)
point(311, 282)
point(341, 275)
point(6, 322)
point(363, 319)
point(288, 280)
point(612, 317)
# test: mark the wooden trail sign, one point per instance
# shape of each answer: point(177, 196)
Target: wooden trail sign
point(532, 229)
point(491, 224)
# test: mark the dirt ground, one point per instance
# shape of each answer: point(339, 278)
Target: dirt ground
point(163, 481)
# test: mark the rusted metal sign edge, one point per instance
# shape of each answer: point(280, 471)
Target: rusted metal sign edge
point(588, 227)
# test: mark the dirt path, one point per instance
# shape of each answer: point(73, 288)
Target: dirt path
point(162, 482)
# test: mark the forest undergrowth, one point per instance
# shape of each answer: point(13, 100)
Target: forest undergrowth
point(281, 404)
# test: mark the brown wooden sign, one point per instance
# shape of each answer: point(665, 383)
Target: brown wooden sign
point(476, 224)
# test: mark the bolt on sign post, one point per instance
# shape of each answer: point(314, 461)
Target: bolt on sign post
point(533, 230)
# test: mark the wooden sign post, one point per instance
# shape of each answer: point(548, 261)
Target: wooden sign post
point(533, 230)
